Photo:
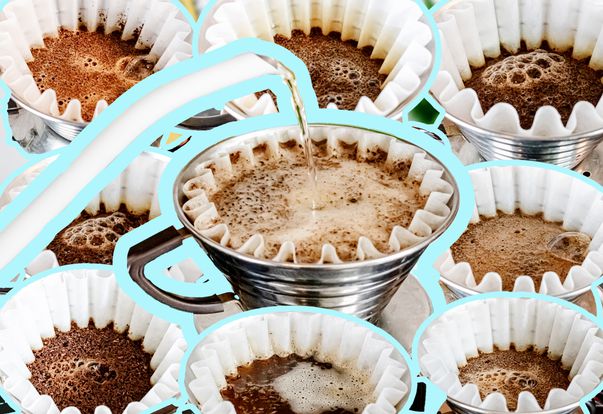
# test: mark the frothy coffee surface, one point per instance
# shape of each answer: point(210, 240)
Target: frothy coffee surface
point(532, 79)
point(510, 372)
point(341, 73)
point(85, 368)
point(515, 245)
point(297, 385)
point(89, 67)
point(92, 239)
point(273, 199)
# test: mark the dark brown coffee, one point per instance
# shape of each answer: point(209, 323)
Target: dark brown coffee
point(92, 239)
point(529, 80)
point(341, 72)
point(515, 245)
point(86, 368)
point(294, 384)
point(511, 372)
point(273, 199)
point(88, 66)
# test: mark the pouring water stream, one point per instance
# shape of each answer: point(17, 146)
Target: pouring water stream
point(298, 106)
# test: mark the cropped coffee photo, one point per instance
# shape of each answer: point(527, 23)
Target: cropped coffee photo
point(523, 81)
point(372, 56)
point(65, 62)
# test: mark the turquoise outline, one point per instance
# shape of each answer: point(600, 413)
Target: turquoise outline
point(493, 295)
point(424, 270)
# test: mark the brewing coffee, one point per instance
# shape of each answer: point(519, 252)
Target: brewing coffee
point(529, 80)
point(513, 245)
point(89, 67)
point(89, 367)
point(341, 73)
point(272, 198)
point(92, 238)
point(297, 385)
point(510, 372)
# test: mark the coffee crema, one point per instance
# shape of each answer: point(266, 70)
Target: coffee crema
point(529, 80)
point(341, 73)
point(514, 245)
point(90, 367)
point(274, 199)
point(89, 67)
point(297, 385)
point(510, 372)
point(92, 238)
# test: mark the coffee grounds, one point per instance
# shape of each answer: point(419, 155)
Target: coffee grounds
point(511, 372)
point(515, 245)
point(92, 238)
point(89, 367)
point(89, 67)
point(273, 199)
point(254, 388)
point(530, 80)
point(340, 72)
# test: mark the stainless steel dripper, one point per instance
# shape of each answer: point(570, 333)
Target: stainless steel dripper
point(361, 288)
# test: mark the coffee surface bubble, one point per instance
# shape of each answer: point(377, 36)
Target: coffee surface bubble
point(341, 73)
point(310, 389)
point(89, 367)
point(530, 80)
point(92, 239)
point(515, 244)
point(511, 372)
point(89, 67)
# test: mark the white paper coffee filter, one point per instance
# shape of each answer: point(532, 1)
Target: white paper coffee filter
point(136, 188)
point(156, 24)
point(423, 169)
point(479, 326)
point(473, 30)
point(78, 296)
point(327, 338)
point(533, 190)
point(394, 28)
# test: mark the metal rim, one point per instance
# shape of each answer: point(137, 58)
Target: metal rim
point(478, 410)
point(331, 266)
point(595, 134)
point(395, 113)
point(472, 292)
point(46, 116)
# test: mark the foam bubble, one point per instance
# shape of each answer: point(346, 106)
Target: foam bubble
point(98, 233)
point(311, 389)
point(526, 69)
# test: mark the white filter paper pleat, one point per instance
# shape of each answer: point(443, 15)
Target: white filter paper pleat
point(501, 322)
point(533, 190)
point(326, 338)
point(79, 296)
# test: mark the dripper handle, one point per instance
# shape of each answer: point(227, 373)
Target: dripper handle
point(154, 247)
